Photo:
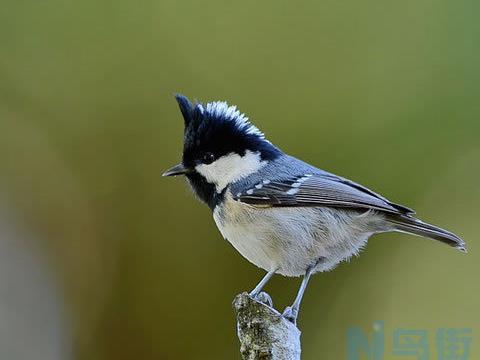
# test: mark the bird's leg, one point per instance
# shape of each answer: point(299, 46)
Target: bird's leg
point(254, 293)
point(291, 312)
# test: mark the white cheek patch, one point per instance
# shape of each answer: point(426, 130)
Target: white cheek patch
point(230, 168)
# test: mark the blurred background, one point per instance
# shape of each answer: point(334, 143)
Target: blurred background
point(101, 258)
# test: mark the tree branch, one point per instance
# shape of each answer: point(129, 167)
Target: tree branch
point(263, 332)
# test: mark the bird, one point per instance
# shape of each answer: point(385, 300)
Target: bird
point(282, 214)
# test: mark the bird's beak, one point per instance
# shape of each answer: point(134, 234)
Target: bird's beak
point(179, 169)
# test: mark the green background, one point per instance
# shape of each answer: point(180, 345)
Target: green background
point(383, 92)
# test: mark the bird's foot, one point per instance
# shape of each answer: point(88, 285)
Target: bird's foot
point(291, 313)
point(263, 298)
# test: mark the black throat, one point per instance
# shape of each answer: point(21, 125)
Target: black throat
point(205, 191)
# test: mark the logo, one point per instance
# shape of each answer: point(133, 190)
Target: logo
point(409, 344)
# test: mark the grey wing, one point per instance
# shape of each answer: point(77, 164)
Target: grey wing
point(317, 190)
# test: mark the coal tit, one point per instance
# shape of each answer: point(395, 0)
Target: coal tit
point(282, 214)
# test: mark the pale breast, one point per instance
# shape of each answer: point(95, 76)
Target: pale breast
point(248, 232)
point(292, 239)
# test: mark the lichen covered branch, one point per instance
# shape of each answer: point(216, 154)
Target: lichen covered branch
point(263, 332)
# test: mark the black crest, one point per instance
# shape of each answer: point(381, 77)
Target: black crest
point(213, 130)
point(186, 108)
point(219, 129)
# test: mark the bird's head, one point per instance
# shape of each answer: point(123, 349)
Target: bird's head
point(220, 147)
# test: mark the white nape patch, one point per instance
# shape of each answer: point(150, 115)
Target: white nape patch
point(293, 191)
point(230, 168)
point(221, 109)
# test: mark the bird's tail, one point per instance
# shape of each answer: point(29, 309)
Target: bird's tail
point(411, 225)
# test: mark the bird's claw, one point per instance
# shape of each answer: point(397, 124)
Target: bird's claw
point(263, 298)
point(291, 313)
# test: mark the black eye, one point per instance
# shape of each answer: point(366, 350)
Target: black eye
point(208, 158)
